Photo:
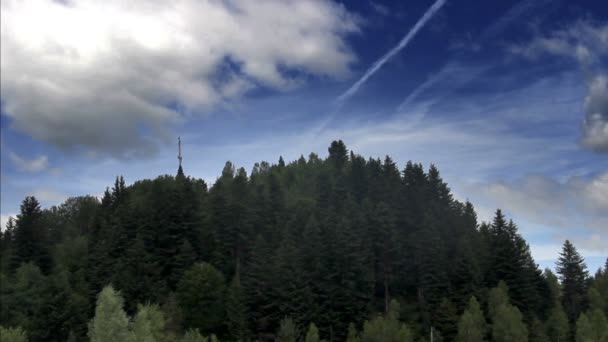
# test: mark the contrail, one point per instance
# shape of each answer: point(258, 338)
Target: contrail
point(402, 44)
point(521, 9)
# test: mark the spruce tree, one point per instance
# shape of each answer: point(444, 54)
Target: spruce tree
point(573, 275)
point(30, 235)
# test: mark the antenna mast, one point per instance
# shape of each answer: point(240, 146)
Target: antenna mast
point(179, 149)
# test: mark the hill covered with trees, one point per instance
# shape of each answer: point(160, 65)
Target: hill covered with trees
point(337, 249)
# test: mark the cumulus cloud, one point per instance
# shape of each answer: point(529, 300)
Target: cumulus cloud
point(112, 76)
point(30, 165)
point(574, 205)
point(586, 43)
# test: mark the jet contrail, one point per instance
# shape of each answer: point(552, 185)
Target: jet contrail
point(402, 44)
point(523, 8)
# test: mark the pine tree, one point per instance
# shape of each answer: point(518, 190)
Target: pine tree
point(338, 154)
point(110, 322)
point(472, 324)
point(30, 236)
point(573, 275)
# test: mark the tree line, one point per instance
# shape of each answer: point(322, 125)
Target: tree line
point(337, 249)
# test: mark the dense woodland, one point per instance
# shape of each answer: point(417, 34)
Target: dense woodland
point(337, 249)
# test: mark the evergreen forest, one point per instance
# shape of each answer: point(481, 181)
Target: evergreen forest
point(341, 248)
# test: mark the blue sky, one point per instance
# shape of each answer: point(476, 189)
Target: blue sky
point(508, 98)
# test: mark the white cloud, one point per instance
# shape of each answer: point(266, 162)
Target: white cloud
point(586, 43)
point(47, 196)
point(4, 220)
point(576, 209)
point(105, 75)
point(30, 165)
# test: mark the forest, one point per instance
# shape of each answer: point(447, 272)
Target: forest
point(341, 248)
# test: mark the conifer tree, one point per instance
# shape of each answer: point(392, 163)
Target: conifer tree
point(30, 235)
point(110, 322)
point(573, 274)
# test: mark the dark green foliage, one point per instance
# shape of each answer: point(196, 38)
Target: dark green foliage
point(30, 236)
point(331, 241)
point(201, 293)
point(573, 274)
point(236, 311)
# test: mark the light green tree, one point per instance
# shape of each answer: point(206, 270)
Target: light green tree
point(149, 324)
point(313, 334)
point(110, 322)
point(508, 325)
point(352, 336)
point(497, 297)
point(472, 325)
point(193, 335)
point(12, 334)
point(557, 324)
point(386, 328)
point(287, 331)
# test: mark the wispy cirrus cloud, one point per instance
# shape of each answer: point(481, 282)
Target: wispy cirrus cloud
point(113, 76)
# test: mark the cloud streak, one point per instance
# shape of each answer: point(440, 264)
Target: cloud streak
point(453, 69)
point(392, 52)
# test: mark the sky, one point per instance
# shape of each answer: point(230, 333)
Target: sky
point(508, 98)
